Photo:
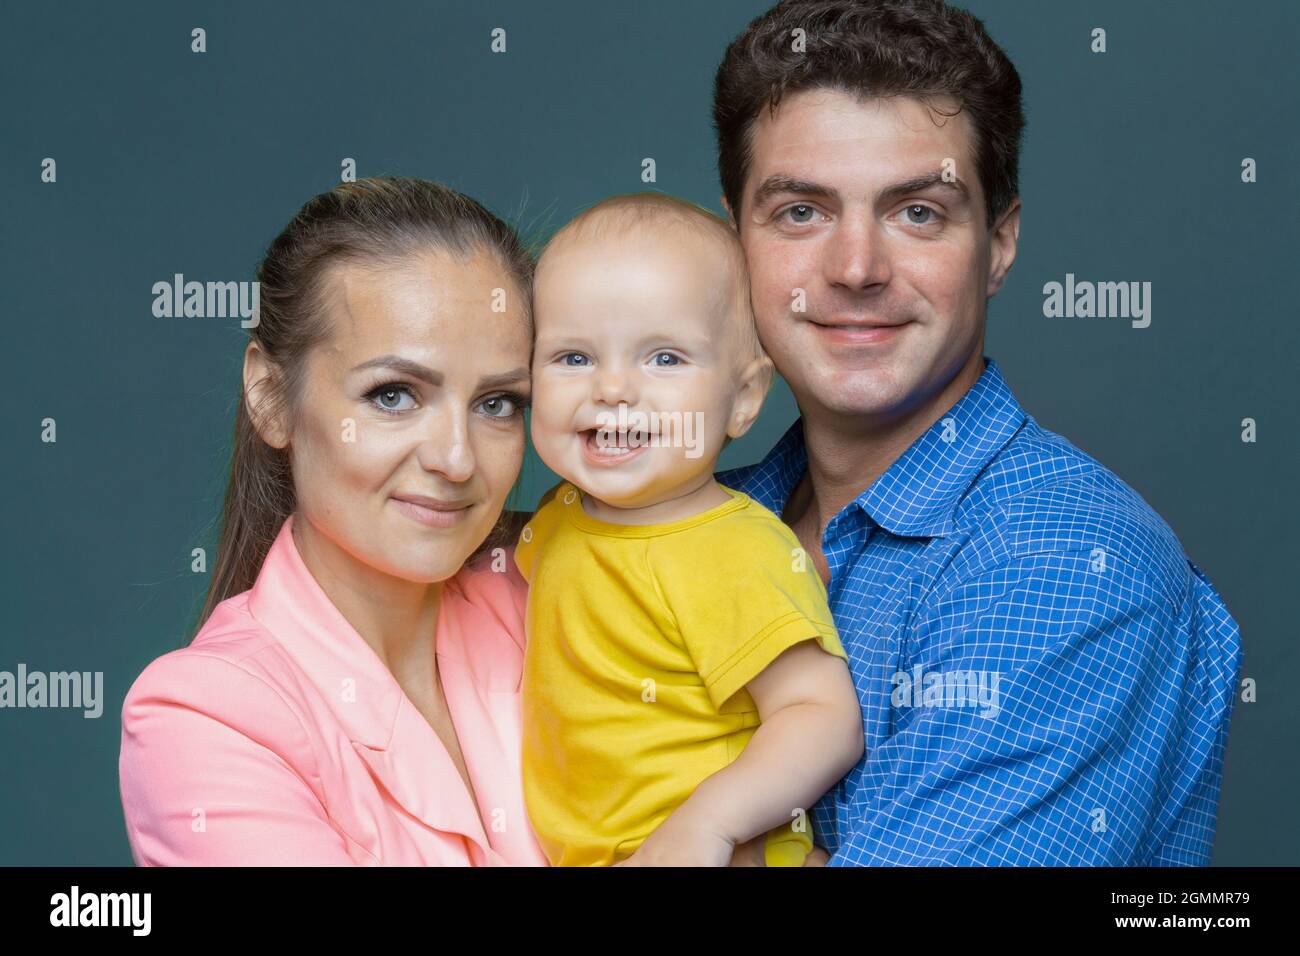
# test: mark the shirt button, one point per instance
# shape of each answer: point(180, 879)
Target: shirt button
point(569, 496)
point(527, 534)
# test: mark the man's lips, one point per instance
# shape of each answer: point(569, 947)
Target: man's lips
point(859, 333)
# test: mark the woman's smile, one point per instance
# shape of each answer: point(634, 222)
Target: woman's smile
point(432, 512)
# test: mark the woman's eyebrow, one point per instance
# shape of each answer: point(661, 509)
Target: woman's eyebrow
point(399, 364)
point(505, 378)
point(426, 374)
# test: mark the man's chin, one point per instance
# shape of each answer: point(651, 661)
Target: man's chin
point(852, 391)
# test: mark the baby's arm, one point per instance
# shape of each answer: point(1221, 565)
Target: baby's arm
point(811, 734)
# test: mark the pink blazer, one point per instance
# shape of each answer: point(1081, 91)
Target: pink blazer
point(279, 737)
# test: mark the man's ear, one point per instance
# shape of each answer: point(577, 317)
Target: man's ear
point(1002, 247)
point(259, 387)
point(731, 217)
point(755, 381)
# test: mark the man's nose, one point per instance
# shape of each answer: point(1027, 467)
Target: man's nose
point(857, 257)
point(445, 447)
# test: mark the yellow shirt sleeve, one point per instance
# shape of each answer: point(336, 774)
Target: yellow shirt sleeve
point(740, 596)
point(535, 532)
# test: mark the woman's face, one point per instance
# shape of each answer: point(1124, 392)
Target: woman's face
point(409, 430)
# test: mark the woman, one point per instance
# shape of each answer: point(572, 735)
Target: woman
point(352, 694)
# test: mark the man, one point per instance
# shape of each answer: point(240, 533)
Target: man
point(1045, 677)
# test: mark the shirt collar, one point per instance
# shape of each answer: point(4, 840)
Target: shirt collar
point(918, 494)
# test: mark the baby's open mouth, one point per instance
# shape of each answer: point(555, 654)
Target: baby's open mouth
point(610, 442)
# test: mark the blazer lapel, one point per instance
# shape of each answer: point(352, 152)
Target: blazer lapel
point(404, 753)
point(418, 773)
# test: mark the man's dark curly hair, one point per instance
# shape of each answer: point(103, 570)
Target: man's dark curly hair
point(870, 48)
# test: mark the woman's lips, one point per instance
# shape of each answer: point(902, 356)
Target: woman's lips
point(611, 454)
point(430, 512)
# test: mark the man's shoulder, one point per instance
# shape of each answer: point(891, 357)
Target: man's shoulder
point(736, 477)
point(1042, 494)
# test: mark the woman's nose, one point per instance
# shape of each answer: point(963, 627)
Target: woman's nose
point(446, 447)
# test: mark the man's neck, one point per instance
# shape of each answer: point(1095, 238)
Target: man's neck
point(846, 454)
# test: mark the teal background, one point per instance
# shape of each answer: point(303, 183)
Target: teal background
point(169, 161)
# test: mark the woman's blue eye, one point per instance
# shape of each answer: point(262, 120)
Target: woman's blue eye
point(923, 210)
point(389, 397)
point(503, 406)
point(674, 360)
point(568, 355)
point(806, 208)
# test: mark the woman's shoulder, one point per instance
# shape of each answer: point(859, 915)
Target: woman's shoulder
point(231, 671)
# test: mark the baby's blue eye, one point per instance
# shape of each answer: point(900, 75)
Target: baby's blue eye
point(673, 360)
point(570, 355)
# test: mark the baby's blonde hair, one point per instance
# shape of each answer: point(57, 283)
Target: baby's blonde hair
point(617, 216)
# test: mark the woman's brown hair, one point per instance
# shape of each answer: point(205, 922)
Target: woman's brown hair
point(378, 219)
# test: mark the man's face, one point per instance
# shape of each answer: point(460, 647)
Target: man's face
point(846, 214)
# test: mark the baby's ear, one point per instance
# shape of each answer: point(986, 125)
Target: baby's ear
point(755, 381)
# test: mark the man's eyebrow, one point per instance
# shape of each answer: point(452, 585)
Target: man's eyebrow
point(778, 184)
point(919, 183)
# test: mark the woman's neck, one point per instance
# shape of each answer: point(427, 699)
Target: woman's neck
point(397, 618)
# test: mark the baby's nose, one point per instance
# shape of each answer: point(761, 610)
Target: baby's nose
point(614, 385)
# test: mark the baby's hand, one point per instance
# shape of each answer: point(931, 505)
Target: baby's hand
point(683, 840)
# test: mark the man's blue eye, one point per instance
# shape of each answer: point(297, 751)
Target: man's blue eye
point(923, 210)
point(673, 360)
point(573, 355)
point(801, 206)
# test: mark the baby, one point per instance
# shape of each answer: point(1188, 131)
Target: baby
point(684, 688)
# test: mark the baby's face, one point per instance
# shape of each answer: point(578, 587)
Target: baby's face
point(636, 324)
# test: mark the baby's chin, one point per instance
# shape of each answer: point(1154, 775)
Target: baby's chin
point(636, 484)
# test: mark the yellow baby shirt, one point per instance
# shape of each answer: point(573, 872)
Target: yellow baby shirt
point(641, 639)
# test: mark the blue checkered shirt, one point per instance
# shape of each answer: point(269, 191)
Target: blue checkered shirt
point(1045, 677)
